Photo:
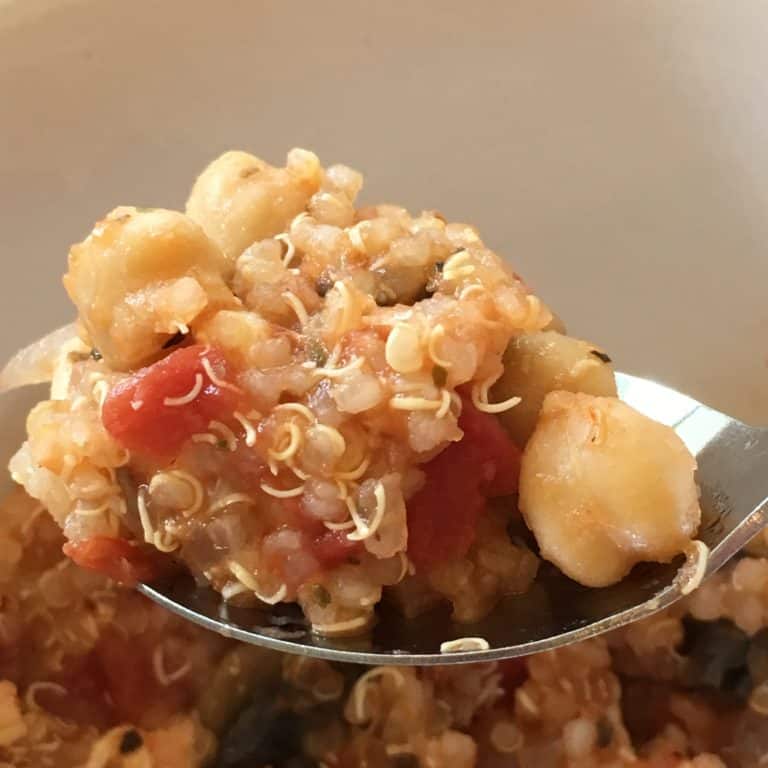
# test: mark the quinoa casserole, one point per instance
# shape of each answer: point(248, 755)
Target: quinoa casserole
point(301, 401)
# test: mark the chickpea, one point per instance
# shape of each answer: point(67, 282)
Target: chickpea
point(556, 323)
point(540, 362)
point(239, 199)
point(603, 487)
point(139, 278)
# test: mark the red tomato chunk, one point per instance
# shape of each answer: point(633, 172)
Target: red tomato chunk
point(118, 559)
point(115, 683)
point(83, 697)
point(443, 515)
point(136, 694)
point(487, 443)
point(332, 548)
point(298, 556)
point(147, 412)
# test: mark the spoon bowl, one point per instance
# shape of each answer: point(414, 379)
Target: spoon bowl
point(733, 477)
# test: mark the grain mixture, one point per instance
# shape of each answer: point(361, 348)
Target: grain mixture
point(302, 400)
point(306, 401)
point(94, 676)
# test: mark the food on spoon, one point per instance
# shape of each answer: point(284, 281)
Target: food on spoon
point(306, 401)
point(140, 278)
point(603, 487)
point(541, 362)
point(239, 199)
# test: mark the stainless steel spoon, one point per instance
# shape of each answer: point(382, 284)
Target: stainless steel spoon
point(732, 474)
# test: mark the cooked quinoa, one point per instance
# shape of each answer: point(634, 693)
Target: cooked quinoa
point(298, 399)
point(305, 400)
point(92, 675)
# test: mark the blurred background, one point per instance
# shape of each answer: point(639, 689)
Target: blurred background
point(614, 152)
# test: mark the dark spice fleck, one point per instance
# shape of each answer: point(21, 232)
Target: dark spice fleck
point(601, 355)
point(440, 264)
point(130, 742)
point(404, 761)
point(353, 560)
point(246, 173)
point(604, 732)
point(322, 595)
point(96, 355)
point(439, 376)
point(317, 352)
point(177, 338)
point(222, 444)
point(324, 284)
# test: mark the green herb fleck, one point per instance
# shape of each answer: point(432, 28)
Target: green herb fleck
point(96, 355)
point(439, 375)
point(322, 595)
point(317, 352)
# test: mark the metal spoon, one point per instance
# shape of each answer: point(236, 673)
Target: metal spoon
point(732, 474)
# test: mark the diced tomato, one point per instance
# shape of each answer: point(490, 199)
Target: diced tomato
point(492, 447)
point(332, 548)
point(114, 683)
point(136, 694)
point(84, 697)
point(443, 515)
point(300, 555)
point(329, 548)
point(137, 415)
point(120, 560)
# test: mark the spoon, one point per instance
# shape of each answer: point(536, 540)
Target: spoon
point(732, 474)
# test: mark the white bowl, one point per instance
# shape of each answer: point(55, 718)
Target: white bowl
point(614, 152)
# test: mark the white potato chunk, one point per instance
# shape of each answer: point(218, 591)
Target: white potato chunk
point(142, 276)
point(603, 487)
point(239, 199)
point(541, 362)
